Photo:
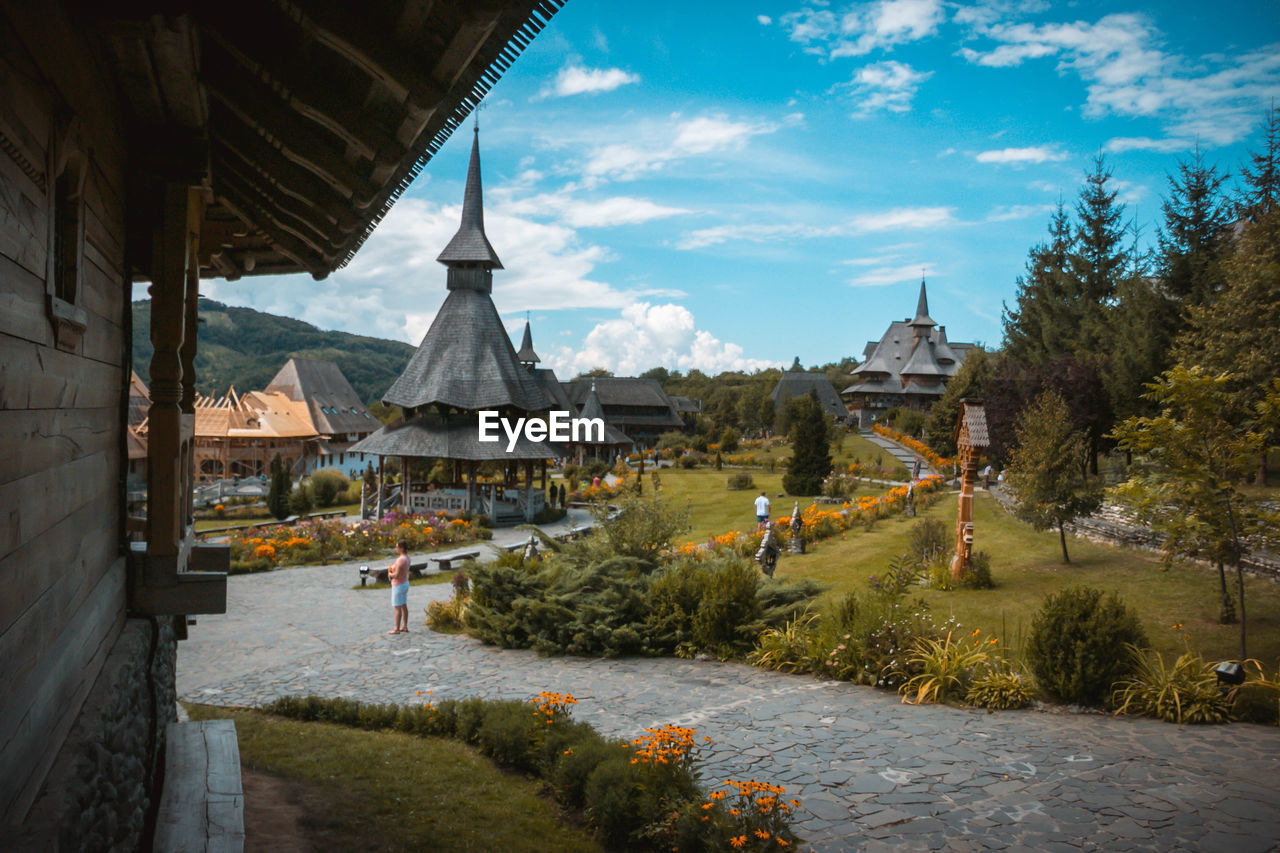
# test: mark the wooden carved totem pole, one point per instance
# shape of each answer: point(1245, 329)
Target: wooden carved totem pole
point(971, 440)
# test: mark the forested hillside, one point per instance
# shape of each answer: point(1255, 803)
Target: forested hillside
point(245, 348)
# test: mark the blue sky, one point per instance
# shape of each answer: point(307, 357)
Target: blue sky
point(724, 185)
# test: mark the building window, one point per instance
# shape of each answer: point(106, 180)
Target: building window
point(69, 166)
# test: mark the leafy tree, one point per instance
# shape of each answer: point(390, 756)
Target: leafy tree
point(1194, 231)
point(1037, 328)
point(749, 407)
point(659, 373)
point(810, 447)
point(1237, 332)
point(1012, 387)
point(970, 381)
point(1261, 177)
point(1200, 447)
point(1046, 472)
point(729, 440)
point(596, 372)
point(279, 489)
point(768, 413)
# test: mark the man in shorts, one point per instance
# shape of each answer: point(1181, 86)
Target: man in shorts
point(398, 574)
point(762, 511)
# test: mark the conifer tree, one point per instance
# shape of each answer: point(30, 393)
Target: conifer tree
point(278, 493)
point(1261, 177)
point(1193, 234)
point(810, 448)
point(1036, 328)
point(1098, 261)
point(970, 381)
point(1046, 471)
point(1142, 323)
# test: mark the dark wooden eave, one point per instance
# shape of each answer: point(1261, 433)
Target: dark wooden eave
point(306, 119)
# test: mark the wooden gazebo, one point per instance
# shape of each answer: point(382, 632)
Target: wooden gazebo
point(465, 365)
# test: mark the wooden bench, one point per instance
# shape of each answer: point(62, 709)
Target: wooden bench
point(446, 562)
point(202, 806)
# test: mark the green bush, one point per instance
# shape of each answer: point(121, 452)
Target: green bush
point(730, 440)
point(728, 615)
point(248, 567)
point(323, 487)
point(300, 501)
point(511, 734)
point(1187, 692)
point(618, 802)
point(927, 538)
point(575, 764)
point(739, 480)
point(676, 441)
point(689, 460)
point(976, 576)
point(1074, 643)
point(1000, 689)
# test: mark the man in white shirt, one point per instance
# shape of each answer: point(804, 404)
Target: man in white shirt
point(762, 510)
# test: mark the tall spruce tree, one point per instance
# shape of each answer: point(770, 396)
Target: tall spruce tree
point(1260, 190)
point(810, 447)
point(1142, 323)
point(1098, 261)
point(970, 381)
point(1194, 232)
point(278, 493)
point(1037, 328)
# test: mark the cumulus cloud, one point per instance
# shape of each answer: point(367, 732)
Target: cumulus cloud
point(646, 335)
point(591, 213)
point(1039, 154)
point(888, 85)
point(579, 80)
point(1120, 144)
point(394, 285)
point(705, 134)
point(862, 28)
point(1127, 73)
point(764, 20)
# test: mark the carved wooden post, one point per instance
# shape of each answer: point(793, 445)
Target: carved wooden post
point(971, 439)
point(187, 354)
point(380, 486)
point(165, 519)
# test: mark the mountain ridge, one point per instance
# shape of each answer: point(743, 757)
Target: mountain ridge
point(246, 348)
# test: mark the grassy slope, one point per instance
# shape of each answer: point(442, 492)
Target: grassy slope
point(1027, 565)
point(392, 791)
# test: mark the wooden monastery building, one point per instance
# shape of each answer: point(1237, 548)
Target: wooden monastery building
point(638, 408)
point(797, 382)
point(907, 368)
point(166, 142)
point(465, 365)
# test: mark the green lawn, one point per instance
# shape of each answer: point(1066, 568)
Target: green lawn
point(714, 509)
point(1026, 565)
point(392, 791)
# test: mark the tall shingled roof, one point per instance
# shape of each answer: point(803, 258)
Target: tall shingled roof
point(922, 309)
point(332, 403)
point(466, 359)
point(796, 383)
point(470, 245)
point(526, 355)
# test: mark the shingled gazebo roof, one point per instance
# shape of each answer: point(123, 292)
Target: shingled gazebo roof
point(466, 359)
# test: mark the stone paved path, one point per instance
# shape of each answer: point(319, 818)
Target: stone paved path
point(872, 774)
point(897, 451)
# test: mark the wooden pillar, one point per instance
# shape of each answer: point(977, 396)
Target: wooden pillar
point(381, 482)
point(404, 484)
point(543, 463)
point(471, 486)
point(169, 257)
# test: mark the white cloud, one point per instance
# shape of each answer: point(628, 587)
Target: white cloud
point(1127, 73)
point(896, 219)
point(1008, 213)
point(579, 80)
point(881, 276)
point(860, 29)
point(646, 335)
point(764, 20)
point(597, 213)
point(1038, 154)
point(1120, 144)
point(393, 287)
point(888, 85)
point(706, 134)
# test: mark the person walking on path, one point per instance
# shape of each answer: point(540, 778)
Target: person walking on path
point(398, 574)
point(915, 470)
point(762, 511)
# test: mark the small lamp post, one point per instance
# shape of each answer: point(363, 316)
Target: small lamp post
point(364, 575)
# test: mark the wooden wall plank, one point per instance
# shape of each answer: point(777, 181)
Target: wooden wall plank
point(66, 589)
point(39, 711)
point(40, 439)
point(23, 315)
point(24, 230)
point(83, 539)
point(41, 500)
point(38, 377)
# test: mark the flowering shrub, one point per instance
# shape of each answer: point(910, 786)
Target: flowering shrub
point(320, 540)
point(939, 463)
point(632, 794)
